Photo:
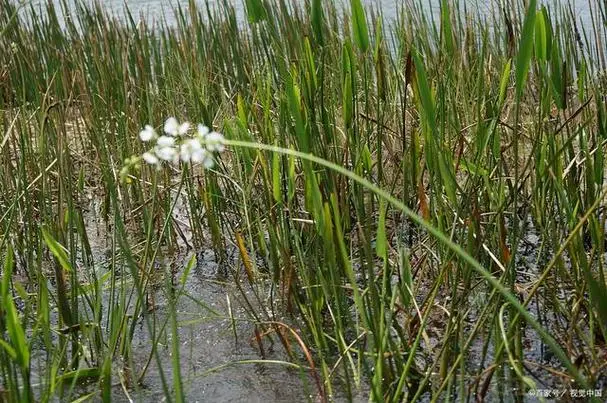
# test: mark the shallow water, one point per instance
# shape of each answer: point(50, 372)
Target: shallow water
point(216, 335)
point(162, 9)
point(207, 340)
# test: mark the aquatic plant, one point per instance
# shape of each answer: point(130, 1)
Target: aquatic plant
point(401, 210)
point(175, 145)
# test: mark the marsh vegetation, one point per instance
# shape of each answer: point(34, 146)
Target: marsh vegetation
point(404, 211)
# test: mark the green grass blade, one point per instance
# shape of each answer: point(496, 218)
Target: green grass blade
point(359, 25)
point(256, 11)
point(525, 51)
point(57, 250)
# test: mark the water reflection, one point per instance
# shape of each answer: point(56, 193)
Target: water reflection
point(159, 10)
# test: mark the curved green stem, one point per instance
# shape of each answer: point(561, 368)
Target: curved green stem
point(548, 339)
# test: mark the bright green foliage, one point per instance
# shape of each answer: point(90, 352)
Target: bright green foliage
point(359, 25)
point(256, 11)
point(403, 205)
point(525, 51)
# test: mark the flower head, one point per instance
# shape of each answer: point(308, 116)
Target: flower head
point(150, 158)
point(173, 128)
point(176, 145)
point(165, 141)
point(189, 149)
point(214, 142)
point(168, 154)
point(204, 157)
point(147, 134)
point(208, 161)
point(203, 131)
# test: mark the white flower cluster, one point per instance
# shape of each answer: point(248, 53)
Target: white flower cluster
point(175, 145)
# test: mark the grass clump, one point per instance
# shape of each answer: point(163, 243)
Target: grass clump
point(409, 210)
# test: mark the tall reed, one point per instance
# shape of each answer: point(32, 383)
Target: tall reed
point(410, 208)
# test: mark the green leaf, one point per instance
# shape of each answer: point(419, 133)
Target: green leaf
point(57, 250)
point(558, 78)
point(446, 28)
point(314, 198)
point(582, 78)
point(9, 349)
point(256, 12)
point(424, 92)
point(13, 324)
point(525, 51)
point(294, 102)
point(504, 82)
point(472, 168)
point(242, 111)
point(276, 185)
point(598, 296)
point(406, 278)
point(292, 178)
point(347, 94)
point(365, 158)
point(317, 18)
point(8, 271)
point(188, 269)
point(80, 374)
point(381, 242)
point(543, 35)
point(448, 177)
point(311, 66)
point(359, 25)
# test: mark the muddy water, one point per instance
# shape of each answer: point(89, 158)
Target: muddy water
point(215, 334)
point(208, 341)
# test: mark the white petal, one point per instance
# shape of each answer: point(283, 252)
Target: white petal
point(194, 144)
point(147, 134)
point(199, 155)
point(209, 162)
point(171, 126)
point(165, 141)
point(183, 128)
point(203, 130)
point(216, 147)
point(214, 142)
point(186, 153)
point(150, 158)
point(166, 153)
